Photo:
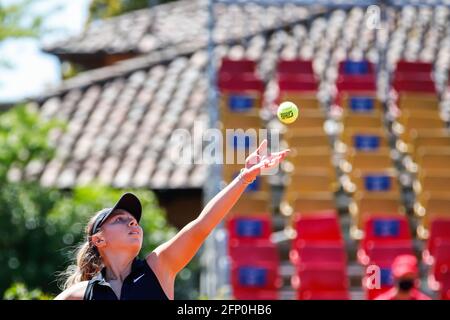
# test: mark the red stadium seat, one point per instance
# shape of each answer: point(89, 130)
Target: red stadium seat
point(385, 231)
point(248, 253)
point(255, 294)
point(323, 295)
point(237, 66)
point(321, 226)
point(248, 230)
point(445, 287)
point(384, 253)
point(237, 83)
point(297, 82)
point(407, 66)
point(371, 294)
point(255, 275)
point(295, 67)
point(415, 76)
point(356, 83)
point(320, 277)
point(413, 85)
point(439, 231)
point(258, 280)
point(318, 252)
point(441, 266)
point(255, 271)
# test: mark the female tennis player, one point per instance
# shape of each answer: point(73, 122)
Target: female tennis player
point(107, 265)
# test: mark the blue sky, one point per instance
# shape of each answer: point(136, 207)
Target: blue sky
point(33, 71)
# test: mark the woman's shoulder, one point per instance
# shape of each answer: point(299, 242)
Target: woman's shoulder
point(75, 292)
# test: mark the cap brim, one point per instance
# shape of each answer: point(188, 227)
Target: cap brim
point(128, 202)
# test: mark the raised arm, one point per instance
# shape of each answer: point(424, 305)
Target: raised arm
point(176, 253)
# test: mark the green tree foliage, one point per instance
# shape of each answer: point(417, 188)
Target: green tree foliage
point(17, 22)
point(29, 243)
point(13, 24)
point(23, 138)
point(101, 9)
point(25, 251)
point(19, 291)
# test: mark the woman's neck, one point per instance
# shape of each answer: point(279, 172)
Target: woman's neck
point(118, 266)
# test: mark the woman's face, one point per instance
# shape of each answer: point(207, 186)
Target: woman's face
point(122, 232)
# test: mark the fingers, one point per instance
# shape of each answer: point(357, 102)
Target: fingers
point(256, 169)
point(275, 159)
point(269, 161)
point(260, 161)
point(279, 156)
point(262, 149)
point(252, 160)
point(283, 153)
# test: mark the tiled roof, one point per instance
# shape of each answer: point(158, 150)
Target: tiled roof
point(172, 24)
point(118, 130)
point(118, 120)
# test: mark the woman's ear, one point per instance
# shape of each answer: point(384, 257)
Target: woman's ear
point(98, 241)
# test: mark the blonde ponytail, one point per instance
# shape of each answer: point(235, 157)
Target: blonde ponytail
point(88, 262)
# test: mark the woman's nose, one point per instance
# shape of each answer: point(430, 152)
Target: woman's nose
point(132, 223)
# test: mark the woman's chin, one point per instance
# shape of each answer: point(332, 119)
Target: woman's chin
point(136, 242)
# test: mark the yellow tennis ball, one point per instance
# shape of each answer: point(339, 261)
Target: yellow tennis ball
point(287, 112)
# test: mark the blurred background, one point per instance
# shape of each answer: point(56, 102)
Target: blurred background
point(91, 91)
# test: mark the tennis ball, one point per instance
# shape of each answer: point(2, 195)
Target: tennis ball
point(287, 112)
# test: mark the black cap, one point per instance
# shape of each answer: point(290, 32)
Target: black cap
point(128, 202)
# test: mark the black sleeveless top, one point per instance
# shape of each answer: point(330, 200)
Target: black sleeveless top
point(140, 284)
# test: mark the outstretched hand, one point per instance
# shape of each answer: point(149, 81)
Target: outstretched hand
point(259, 159)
